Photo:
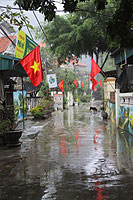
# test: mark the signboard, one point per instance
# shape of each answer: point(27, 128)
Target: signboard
point(24, 45)
point(51, 78)
point(58, 101)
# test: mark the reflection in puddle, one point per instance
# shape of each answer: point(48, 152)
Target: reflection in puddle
point(100, 189)
point(53, 170)
point(63, 146)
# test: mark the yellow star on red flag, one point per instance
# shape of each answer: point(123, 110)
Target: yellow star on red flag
point(35, 66)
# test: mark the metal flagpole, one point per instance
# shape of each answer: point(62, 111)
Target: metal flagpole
point(23, 103)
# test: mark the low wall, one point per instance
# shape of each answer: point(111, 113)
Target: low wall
point(32, 102)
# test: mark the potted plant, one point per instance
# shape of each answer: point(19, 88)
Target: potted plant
point(9, 133)
point(12, 136)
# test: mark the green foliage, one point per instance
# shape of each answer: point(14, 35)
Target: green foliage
point(46, 105)
point(86, 31)
point(79, 101)
point(115, 16)
point(44, 90)
point(37, 112)
point(5, 125)
point(15, 18)
point(75, 97)
point(86, 98)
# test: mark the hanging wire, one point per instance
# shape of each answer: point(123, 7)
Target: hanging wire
point(41, 28)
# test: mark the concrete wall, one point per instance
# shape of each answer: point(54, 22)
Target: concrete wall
point(109, 86)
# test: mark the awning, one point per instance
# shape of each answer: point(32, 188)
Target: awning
point(120, 55)
point(10, 67)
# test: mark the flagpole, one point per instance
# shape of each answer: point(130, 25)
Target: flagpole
point(23, 102)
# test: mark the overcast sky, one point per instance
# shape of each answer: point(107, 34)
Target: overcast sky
point(29, 14)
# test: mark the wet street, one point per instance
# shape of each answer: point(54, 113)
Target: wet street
point(73, 155)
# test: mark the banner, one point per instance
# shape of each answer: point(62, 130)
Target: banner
point(24, 45)
point(58, 101)
point(51, 79)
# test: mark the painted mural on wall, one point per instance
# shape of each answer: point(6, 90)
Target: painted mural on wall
point(18, 104)
point(112, 112)
point(126, 118)
point(125, 150)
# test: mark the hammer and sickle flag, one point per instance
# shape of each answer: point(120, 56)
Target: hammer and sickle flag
point(61, 85)
point(33, 67)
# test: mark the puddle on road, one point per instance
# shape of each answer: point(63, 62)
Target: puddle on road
point(76, 156)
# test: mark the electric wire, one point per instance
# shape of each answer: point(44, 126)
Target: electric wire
point(41, 28)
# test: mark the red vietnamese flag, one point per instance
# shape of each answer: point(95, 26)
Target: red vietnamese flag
point(94, 70)
point(75, 82)
point(100, 83)
point(82, 84)
point(33, 67)
point(94, 84)
point(61, 85)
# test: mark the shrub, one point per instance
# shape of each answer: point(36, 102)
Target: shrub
point(45, 106)
point(37, 111)
point(86, 98)
point(47, 103)
point(5, 125)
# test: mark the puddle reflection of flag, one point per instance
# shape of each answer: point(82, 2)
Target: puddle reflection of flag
point(63, 146)
point(100, 190)
point(77, 138)
point(95, 137)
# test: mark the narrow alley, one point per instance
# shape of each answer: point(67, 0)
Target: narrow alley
point(74, 154)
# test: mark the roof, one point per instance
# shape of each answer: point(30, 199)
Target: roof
point(11, 67)
point(110, 73)
point(80, 64)
point(42, 44)
point(30, 87)
point(5, 42)
point(120, 55)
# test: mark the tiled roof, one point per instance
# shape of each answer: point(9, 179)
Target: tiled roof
point(4, 43)
point(42, 44)
point(74, 62)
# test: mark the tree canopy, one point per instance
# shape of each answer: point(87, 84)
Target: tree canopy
point(119, 26)
point(78, 33)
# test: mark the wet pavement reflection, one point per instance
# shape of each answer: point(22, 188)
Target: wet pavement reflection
point(76, 155)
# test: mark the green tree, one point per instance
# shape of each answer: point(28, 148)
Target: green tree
point(14, 18)
point(78, 33)
point(119, 25)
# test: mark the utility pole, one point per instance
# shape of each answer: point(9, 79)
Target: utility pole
point(45, 66)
